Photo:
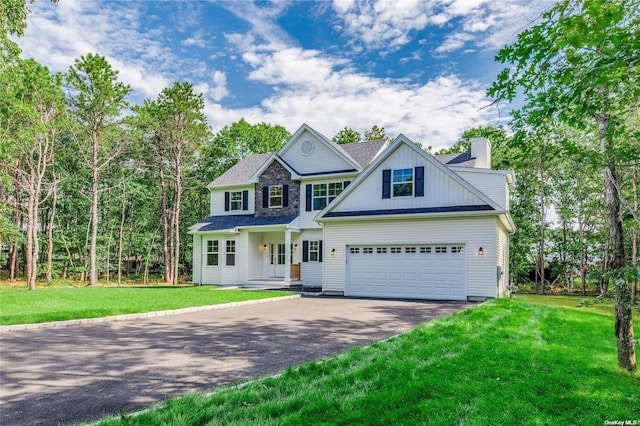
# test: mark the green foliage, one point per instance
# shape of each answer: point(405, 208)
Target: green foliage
point(376, 133)
point(59, 304)
point(232, 143)
point(95, 94)
point(505, 362)
point(346, 135)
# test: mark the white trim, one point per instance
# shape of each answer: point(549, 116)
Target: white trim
point(402, 139)
point(274, 157)
point(323, 139)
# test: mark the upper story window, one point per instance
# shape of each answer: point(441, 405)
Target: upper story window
point(275, 196)
point(407, 182)
point(402, 183)
point(324, 193)
point(236, 200)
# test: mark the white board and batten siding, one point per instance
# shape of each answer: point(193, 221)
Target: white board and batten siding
point(440, 189)
point(491, 183)
point(320, 159)
point(472, 233)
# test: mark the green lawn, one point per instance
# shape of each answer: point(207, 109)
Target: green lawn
point(506, 362)
point(19, 306)
point(605, 307)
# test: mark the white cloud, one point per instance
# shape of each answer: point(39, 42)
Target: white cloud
point(386, 26)
point(58, 34)
point(325, 91)
point(194, 41)
point(328, 94)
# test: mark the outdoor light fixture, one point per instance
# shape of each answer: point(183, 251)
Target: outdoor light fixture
point(295, 247)
point(333, 252)
point(263, 247)
point(480, 252)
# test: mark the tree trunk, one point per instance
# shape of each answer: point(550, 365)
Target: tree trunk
point(176, 224)
point(542, 218)
point(165, 226)
point(120, 238)
point(622, 292)
point(52, 216)
point(93, 257)
point(634, 237)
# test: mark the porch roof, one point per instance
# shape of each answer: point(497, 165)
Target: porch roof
point(226, 222)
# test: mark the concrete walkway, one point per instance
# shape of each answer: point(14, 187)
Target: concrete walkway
point(80, 373)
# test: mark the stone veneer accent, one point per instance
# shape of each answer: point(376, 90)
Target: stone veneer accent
point(276, 174)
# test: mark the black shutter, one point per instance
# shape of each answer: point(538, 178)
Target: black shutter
point(245, 200)
point(305, 251)
point(345, 184)
point(285, 195)
point(386, 183)
point(320, 251)
point(419, 191)
point(226, 201)
point(265, 196)
point(308, 190)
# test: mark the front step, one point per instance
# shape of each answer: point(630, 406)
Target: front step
point(271, 283)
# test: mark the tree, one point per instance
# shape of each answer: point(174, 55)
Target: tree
point(13, 21)
point(346, 135)
point(179, 128)
point(579, 66)
point(32, 113)
point(376, 133)
point(96, 101)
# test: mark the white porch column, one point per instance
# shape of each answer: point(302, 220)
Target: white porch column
point(287, 255)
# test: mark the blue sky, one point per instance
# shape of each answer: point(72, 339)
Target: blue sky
point(415, 67)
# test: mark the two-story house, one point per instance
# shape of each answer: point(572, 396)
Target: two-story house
point(371, 219)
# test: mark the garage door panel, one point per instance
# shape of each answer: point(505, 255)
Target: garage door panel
point(407, 271)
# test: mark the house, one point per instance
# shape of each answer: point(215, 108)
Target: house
point(372, 219)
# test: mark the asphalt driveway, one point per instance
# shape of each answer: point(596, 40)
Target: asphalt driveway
point(80, 373)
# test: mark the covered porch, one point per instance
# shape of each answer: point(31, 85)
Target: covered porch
point(274, 258)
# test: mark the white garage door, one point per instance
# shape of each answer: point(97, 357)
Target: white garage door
point(407, 271)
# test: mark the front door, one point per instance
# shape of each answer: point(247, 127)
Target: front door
point(277, 258)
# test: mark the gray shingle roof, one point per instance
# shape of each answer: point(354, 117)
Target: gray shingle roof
point(364, 152)
point(459, 160)
point(242, 171)
point(218, 223)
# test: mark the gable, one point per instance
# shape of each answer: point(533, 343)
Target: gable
point(309, 153)
point(442, 189)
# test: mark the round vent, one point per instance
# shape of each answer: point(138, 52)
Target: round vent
point(307, 147)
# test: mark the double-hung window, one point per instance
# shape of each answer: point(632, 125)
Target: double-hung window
point(231, 253)
point(235, 200)
point(275, 196)
point(402, 183)
point(314, 250)
point(319, 196)
point(324, 193)
point(212, 252)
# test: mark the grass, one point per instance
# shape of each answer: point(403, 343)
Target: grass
point(19, 306)
point(606, 307)
point(505, 362)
